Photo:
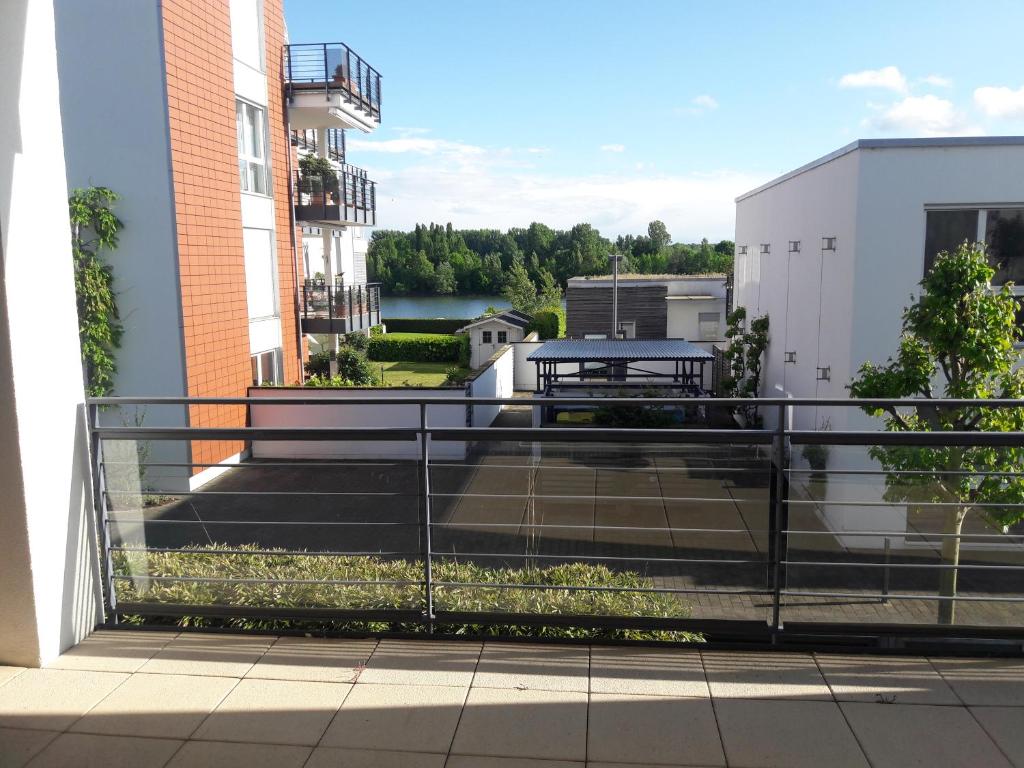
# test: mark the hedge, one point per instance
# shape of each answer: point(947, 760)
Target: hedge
point(419, 348)
point(281, 579)
point(425, 324)
point(548, 323)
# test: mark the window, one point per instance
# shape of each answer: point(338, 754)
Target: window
point(260, 278)
point(1002, 230)
point(250, 122)
point(709, 324)
point(945, 230)
point(485, 337)
point(266, 368)
point(502, 337)
point(247, 32)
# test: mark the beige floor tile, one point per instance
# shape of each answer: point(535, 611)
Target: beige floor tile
point(887, 679)
point(114, 651)
point(414, 718)
point(52, 699)
point(611, 514)
point(315, 659)
point(223, 754)
point(653, 729)
point(647, 672)
point(786, 734)
point(275, 712)
point(529, 666)
point(85, 750)
point(641, 483)
point(172, 706)
point(464, 761)
point(332, 757)
point(18, 746)
point(9, 673)
point(1005, 726)
point(903, 735)
point(412, 662)
point(709, 525)
point(682, 485)
point(994, 682)
point(569, 520)
point(740, 675)
point(513, 723)
point(202, 654)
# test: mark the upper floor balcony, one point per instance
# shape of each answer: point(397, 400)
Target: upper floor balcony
point(306, 140)
point(329, 86)
point(339, 308)
point(344, 197)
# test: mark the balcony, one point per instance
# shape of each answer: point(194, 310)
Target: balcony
point(339, 309)
point(329, 86)
point(346, 197)
point(306, 140)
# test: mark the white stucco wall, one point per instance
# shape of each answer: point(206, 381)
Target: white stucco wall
point(481, 352)
point(49, 596)
point(496, 380)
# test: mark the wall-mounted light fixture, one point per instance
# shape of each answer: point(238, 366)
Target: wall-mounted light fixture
point(825, 374)
point(790, 357)
point(766, 248)
point(794, 246)
point(741, 250)
point(828, 243)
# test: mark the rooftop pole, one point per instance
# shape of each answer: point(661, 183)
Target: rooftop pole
point(615, 295)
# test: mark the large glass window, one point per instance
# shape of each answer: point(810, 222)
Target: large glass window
point(946, 230)
point(709, 325)
point(260, 273)
point(250, 123)
point(266, 368)
point(1001, 228)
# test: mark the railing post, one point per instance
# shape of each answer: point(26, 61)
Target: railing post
point(362, 307)
point(288, 53)
point(778, 518)
point(349, 298)
point(348, 70)
point(330, 302)
point(327, 76)
point(100, 504)
point(428, 571)
point(886, 572)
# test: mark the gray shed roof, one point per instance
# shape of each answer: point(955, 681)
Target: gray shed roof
point(618, 349)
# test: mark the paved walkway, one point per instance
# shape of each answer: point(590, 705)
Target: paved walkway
point(146, 699)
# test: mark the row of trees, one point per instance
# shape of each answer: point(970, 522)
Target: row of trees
point(439, 259)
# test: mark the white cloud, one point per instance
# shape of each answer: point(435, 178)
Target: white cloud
point(704, 101)
point(923, 116)
point(1000, 101)
point(412, 145)
point(613, 147)
point(889, 78)
point(491, 189)
point(938, 81)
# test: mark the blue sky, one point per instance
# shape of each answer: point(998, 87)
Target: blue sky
point(501, 113)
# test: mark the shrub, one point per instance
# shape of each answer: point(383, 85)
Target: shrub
point(352, 366)
point(358, 341)
point(455, 375)
point(420, 348)
point(425, 325)
point(325, 381)
point(548, 323)
point(289, 575)
point(376, 330)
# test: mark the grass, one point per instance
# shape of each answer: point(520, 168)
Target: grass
point(405, 374)
point(289, 576)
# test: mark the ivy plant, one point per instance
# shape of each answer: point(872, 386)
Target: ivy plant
point(745, 355)
point(958, 341)
point(94, 229)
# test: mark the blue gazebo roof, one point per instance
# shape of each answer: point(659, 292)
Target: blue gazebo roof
point(624, 350)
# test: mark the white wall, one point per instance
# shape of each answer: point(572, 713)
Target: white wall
point(49, 597)
point(684, 316)
point(496, 380)
point(354, 416)
point(480, 352)
point(525, 372)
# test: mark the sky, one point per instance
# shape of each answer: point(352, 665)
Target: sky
point(498, 113)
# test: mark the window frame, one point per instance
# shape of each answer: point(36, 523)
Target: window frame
point(276, 361)
point(261, 161)
point(485, 337)
point(502, 337)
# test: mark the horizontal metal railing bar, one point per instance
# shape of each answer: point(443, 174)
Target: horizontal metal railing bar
point(594, 497)
point(594, 435)
point(264, 612)
point(761, 466)
point(575, 588)
point(454, 400)
point(262, 552)
point(600, 558)
point(899, 596)
point(883, 503)
point(259, 493)
point(753, 628)
point(329, 524)
point(560, 527)
point(256, 464)
point(223, 580)
point(255, 433)
point(917, 631)
point(867, 437)
point(903, 534)
point(911, 472)
point(898, 565)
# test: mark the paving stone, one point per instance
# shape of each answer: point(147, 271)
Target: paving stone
point(85, 750)
point(533, 666)
point(644, 671)
point(52, 699)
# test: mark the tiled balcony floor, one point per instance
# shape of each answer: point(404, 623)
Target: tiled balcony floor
point(141, 699)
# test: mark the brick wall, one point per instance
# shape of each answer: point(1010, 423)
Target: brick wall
point(289, 268)
point(204, 152)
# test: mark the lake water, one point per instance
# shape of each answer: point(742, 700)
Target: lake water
point(439, 306)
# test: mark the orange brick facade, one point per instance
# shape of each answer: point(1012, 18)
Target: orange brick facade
point(207, 198)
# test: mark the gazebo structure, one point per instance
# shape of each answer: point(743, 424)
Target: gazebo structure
point(588, 366)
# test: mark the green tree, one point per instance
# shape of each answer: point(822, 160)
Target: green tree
point(745, 354)
point(957, 337)
point(519, 289)
point(444, 278)
point(658, 232)
point(95, 228)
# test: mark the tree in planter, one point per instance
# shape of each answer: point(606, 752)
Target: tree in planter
point(745, 353)
point(961, 334)
point(318, 176)
point(94, 227)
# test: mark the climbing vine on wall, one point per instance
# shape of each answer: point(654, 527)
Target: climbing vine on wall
point(94, 229)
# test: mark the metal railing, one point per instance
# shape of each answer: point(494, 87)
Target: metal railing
point(332, 68)
point(306, 139)
point(357, 305)
point(347, 197)
point(723, 531)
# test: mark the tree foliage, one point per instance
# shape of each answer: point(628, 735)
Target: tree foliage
point(957, 342)
point(745, 355)
point(95, 228)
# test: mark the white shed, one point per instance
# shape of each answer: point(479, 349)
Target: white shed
point(492, 332)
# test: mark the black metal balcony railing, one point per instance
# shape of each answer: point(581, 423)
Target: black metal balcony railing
point(306, 139)
point(339, 309)
point(346, 197)
point(333, 68)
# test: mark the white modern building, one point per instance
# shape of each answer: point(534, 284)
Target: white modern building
point(833, 251)
point(490, 333)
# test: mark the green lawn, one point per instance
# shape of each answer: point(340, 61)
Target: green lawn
point(402, 374)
